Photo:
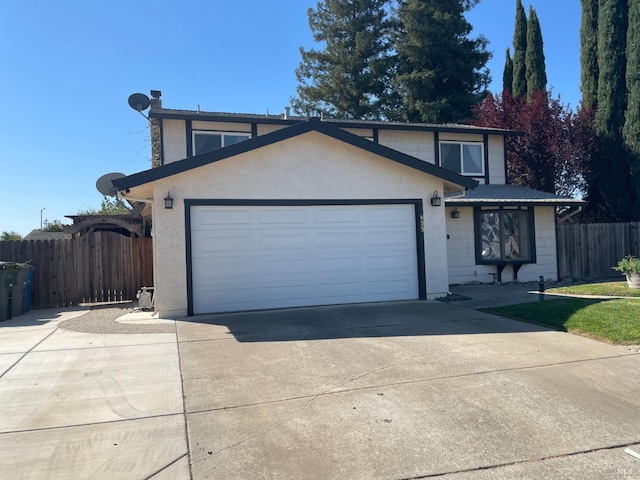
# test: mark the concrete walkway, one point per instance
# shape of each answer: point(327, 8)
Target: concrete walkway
point(497, 295)
point(79, 405)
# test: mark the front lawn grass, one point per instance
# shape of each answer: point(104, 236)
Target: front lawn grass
point(612, 289)
point(614, 321)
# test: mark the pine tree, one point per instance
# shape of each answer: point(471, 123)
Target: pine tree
point(519, 52)
point(589, 53)
point(441, 71)
point(348, 78)
point(536, 73)
point(507, 75)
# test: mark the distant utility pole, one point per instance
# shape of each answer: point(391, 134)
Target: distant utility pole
point(41, 210)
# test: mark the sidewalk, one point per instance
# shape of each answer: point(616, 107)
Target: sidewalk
point(73, 404)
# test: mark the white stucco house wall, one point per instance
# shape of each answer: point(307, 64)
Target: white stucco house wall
point(274, 211)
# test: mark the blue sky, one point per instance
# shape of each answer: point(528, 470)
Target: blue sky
point(68, 67)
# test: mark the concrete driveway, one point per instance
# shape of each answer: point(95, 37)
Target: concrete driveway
point(379, 391)
point(404, 390)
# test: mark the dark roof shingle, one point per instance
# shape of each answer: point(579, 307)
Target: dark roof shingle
point(507, 194)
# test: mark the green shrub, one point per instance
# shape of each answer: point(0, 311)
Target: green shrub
point(628, 264)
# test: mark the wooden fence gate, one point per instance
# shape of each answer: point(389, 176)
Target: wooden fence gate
point(99, 267)
point(588, 251)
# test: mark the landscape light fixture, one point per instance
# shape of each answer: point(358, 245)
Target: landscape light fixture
point(436, 201)
point(168, 202)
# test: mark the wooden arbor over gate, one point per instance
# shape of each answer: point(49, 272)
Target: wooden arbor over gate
point(127, 225)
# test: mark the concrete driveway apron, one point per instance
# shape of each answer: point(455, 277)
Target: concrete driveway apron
point(88, 406)
point(404, 390)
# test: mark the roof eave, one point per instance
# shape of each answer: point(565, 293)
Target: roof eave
point(196, 161)
point(279, 120)
point(513, 202)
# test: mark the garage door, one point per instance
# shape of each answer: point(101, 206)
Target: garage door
point(261, 257)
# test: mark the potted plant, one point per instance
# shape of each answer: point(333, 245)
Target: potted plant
point(630, 267)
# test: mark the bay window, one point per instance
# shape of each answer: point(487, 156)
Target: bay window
point(504, 235)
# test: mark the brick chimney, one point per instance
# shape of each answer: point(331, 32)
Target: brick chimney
point(156, 101)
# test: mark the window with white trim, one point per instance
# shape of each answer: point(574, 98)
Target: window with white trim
point(465, 158)
point(204, 141)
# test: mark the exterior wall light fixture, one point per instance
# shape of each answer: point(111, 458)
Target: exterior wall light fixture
point(436, 201)
point(168, 202)
point(455, 213)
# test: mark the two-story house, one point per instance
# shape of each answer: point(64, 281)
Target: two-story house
point(270, 211)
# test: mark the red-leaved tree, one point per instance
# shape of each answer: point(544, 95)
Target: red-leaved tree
point(555, 147)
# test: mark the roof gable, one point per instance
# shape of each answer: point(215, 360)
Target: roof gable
point(314, 124)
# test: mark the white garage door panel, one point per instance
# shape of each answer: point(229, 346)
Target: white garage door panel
point(282, 216)
point(287, 292)
point(343, 216)
point(206, 246)
point(203, 217)
point(338, 239)
point(344, 264)
point(344, 290)
point(390, 239)
point(215, 296)
point(277, 257)
point(287, 267)
point(278, 242)
point(392, 288)
point(389, 265)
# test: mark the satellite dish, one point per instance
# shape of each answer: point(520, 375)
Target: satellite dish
point(105, 185)
point(139, 101)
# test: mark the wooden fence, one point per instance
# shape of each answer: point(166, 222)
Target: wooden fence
point(107, 266)
point(588, 251)
point(99, 267)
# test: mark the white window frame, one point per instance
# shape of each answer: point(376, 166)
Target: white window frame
point(222, 134)
point(462, 144)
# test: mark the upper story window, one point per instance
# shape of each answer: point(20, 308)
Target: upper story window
point(207, 141)
point(465, 158)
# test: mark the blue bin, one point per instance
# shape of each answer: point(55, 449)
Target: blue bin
point(27, 291)
point(18, 292)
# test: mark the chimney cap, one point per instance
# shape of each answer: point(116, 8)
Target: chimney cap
point(156, 93)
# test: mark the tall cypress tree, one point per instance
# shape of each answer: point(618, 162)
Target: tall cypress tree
point(536, 72)
point(348, 78)
point(519, 52)
point(589, 54)
point(631, 128)
point(507, 75)
point(610, 192)
point(612, 33)
point(441, 71)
